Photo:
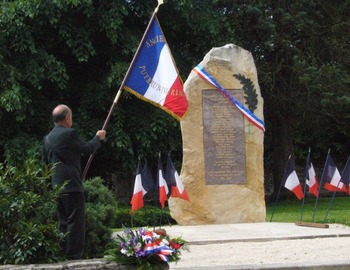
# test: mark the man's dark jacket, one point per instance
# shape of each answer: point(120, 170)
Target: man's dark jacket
point(64, 148)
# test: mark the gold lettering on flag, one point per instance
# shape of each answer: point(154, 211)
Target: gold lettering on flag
point(177, 92)
point(153, 41)
point(156, 86)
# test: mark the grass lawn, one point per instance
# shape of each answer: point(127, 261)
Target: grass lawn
point(290, 211)
point(285, 211)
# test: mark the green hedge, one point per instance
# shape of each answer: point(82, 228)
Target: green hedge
point(101, 208)
point(28, 221)
point(28, 227)
point(148, 216)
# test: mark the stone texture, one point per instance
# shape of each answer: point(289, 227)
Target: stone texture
point(220, 204)
point(98, 264)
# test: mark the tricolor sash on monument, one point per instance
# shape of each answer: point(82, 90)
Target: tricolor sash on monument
point(201, 72)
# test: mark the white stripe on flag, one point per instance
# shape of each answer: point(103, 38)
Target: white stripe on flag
point(162, 182)
point(163, 78)
point(312, 175)
point(179, 184)
point(292, 181)
point(336, 178)
point(138, 185)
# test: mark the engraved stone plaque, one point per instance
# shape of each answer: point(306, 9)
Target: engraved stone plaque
point(224, 148)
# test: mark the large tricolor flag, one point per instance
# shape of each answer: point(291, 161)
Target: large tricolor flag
point(331, 176)
point(201, 72)
point(310, 176)
point(291, 180)
point(153, 75)
point(139, 191)
point(174, 181)
point(163, 187)
point(345, 176)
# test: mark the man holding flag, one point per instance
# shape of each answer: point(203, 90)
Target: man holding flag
point(152, 76)
point(63, 148)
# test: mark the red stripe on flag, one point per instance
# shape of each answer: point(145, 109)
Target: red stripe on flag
point(298, 192)
point(162, 196)
point(176, 100)
point(314, 189)
point(176, 193)
point(330, 187)
point(136, 201)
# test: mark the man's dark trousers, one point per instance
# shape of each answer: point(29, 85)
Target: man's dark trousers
point(71, 215)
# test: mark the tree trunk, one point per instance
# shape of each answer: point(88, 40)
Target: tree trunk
point(282, 147)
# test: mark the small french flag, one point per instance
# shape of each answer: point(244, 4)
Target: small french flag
point(291, 180)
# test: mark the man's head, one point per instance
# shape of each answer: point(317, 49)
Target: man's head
point(62, 115)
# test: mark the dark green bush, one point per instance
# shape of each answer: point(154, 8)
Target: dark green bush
point(28, 221)
point(28, 226)
point(101, 208)
point(148, 216)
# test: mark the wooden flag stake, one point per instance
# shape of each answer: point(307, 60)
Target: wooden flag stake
point(311, 224)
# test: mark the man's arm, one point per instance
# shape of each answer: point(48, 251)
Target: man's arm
point(88, 148)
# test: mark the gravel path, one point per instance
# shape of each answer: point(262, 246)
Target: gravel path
point(269, 252)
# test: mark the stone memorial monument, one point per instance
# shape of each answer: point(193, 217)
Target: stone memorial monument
point(222, 168)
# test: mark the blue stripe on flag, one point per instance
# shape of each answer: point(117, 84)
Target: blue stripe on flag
point(145, 65)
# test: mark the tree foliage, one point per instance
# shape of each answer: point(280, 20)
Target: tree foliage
point(77, 52)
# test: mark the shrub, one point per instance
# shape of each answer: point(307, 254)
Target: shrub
point(148, 216)
point(28, 220)
point(101, 216)
point(28, 226)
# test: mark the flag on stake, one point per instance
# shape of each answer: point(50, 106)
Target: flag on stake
point(291, 180)
point(174, 181)
point(139, 191)
point(163, 187)
point(147, 178)
point(345, 176)
point(310, 176)
point(154, 77)
point(331, 176)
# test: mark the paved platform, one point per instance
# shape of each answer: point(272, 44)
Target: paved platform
point(250, 233)
point(253, 232)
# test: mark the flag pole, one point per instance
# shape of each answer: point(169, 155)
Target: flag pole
point(319, 188)
point(279, 191)
point(303, 202)
point(331, 202)
point(87, 166)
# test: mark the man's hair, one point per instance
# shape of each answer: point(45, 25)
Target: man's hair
point(60, 115)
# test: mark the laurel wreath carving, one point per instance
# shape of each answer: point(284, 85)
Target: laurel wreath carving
point(250, 95)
